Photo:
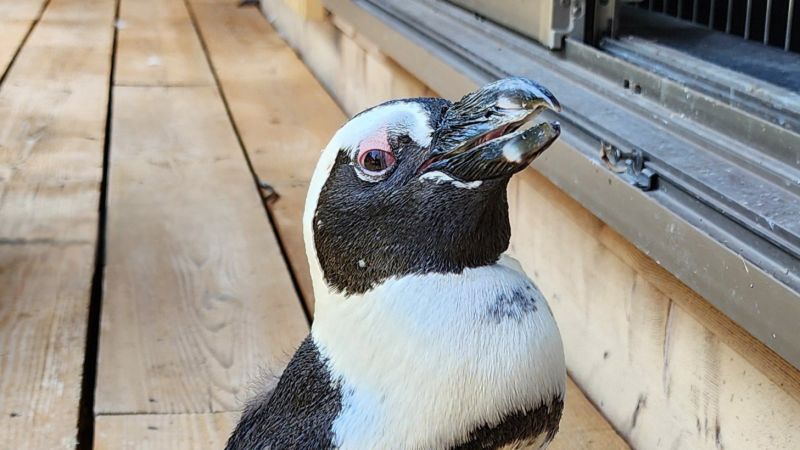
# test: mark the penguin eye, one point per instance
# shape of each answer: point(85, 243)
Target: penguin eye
point(376, 161)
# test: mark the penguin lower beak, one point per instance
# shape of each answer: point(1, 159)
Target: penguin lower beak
point(480, 136)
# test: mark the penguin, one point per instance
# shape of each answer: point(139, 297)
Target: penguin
point(426, 334)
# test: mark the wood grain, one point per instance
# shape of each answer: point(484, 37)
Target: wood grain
point(663, 375)
point(22, 10)
point(43, 309)
point(307, 9)
point(197, 298)
point(52, 125)
point(12, 33)
point(283, 114)
point(163, 431)
point(583, 427)
point(158, 46)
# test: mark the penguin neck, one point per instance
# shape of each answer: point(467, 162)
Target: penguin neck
point(487, 328)
point(401, 311)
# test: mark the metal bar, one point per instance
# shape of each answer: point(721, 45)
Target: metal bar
point(729, 18)
point(664, 7)
point(650, 5)
point(694, 10)
point(680, 9)
point(766, 22)
point(788, 38)
point(711, 15)
point(747, 19)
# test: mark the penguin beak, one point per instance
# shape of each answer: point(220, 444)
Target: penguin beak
point(481, 135)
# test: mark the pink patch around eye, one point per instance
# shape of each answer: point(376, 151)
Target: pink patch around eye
point(378, 140)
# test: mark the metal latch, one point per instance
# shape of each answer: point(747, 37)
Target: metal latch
point(631, 165)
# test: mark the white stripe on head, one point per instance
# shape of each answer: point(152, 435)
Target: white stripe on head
point(404, 116)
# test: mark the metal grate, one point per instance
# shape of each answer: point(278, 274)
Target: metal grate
point(774, 23)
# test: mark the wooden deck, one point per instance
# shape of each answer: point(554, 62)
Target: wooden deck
point(143, 283)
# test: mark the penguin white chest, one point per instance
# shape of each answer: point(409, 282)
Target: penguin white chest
point(424, 360)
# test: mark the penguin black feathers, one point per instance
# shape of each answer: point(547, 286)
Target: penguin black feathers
point(426, 334)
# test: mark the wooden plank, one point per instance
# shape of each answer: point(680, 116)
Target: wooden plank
point(307, 9)
point(12, 32)
point(163, 431)
point(770, 363)
point(282, 113)
point(22, 10)
point(666, 371)
point(52, 125)
point(197, 297)
point(43, 309)
point(158, 46)
point(583, 427)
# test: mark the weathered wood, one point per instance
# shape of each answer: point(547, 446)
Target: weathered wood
point(583, 427)
point(282, 113)
point(307, 9)
point(22, 10)
point(52, 125)
point(664, 367)
point(158, 46)
point(12, 33)
point(348, 65)
point(43, 308)
point(163, 431)
point(197, 297)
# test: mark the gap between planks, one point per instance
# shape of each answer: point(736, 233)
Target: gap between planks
point(52, 123)
point(302, 294)
point(15, 29)
point(178, 185)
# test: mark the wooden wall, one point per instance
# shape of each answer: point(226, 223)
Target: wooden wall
point(667, 369)
point(353, 70)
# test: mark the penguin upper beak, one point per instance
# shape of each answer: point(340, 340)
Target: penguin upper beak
point(480, 138)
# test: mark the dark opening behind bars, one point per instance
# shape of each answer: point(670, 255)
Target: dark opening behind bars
point(772, 22)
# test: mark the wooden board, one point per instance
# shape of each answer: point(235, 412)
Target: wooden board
point(12, 33)
point(197, 298)
point(583, 427)
point(283, 114)
point(158, 46)
point(24, 10)
point(52, 125)
point(43, 309)
point(664, 366)
point(164, 431)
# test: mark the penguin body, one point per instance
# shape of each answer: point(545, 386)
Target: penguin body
point(426, 335)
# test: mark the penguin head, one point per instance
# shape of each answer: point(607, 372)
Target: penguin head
point(419, 185)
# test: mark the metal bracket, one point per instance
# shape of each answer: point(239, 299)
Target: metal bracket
point(630, 165)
